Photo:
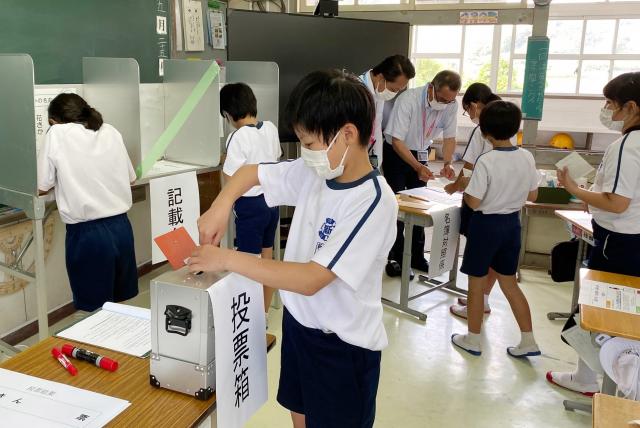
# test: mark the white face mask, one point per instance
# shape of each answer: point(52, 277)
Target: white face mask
point(319, 161)
point(606, 118)
point(435, 104)
point(386, 94)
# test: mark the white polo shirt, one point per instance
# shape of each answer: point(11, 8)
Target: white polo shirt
point(479, 145)
point(502, 179)
point(90, 170)
point(377, 138)
point(416, 123)
point(347, 227)
point(251, 145)
point(619, 173)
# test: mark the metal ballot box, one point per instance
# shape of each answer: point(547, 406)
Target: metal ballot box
point(182, 333)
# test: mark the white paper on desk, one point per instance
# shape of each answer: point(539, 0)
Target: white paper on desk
point(241, 350)
point(436, 195)
point(578, 167)
point(580, 340)
point(444, 242)
point(610, 296)
point(27, 401)
point(127, 331)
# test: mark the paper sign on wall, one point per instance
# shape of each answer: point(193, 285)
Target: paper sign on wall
point(241, 350)
point(41, 100)
point(175, 203)
point(444, 243)
point(193, 26)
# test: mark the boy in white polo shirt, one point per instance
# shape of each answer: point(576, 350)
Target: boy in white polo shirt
point(341, 233)
point(503, 180)
point(252, 142)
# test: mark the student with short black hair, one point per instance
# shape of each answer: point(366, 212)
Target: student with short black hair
point(502, 181)
point(385, 81)
point(331, 276)
point(252, 142)
point(86, 163)
point(475, 98)
point(614, 202)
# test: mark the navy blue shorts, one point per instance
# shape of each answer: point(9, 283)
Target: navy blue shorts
point(493, 241)
point(465, 215)
point(101, 262)
point(334, 384)
point(614, 252)
point(256, 224)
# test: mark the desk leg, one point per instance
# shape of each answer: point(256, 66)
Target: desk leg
point(609, 387)
point(406, 269)
point(41, 283)
point(7, 351)
point(576, 285)
point(524, 230)
point(577, 405)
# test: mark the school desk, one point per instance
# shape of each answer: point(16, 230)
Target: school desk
point(150, 406)
point(579, 224)
point(614, 412)
point(415, 215)
point(613, 323)
point(536, 209)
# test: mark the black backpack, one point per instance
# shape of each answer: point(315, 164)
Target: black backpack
point(563, 261)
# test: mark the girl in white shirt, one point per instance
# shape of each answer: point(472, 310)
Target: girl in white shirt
point(85, 161)
point(614, 201)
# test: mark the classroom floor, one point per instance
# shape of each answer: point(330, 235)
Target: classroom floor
point(425, 382)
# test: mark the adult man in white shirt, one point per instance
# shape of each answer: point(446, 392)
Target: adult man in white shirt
point(419, 115)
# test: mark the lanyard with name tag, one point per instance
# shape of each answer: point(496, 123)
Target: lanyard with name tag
point(423, 155)
point(427, 132)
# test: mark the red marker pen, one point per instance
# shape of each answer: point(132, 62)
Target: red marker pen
point(92, 357)
point(64, 361)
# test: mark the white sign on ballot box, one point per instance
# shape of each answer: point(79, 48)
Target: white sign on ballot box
point(241, 349)
point(175, 203)
point(444, 243)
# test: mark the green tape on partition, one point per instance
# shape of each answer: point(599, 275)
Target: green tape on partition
point(160, 146)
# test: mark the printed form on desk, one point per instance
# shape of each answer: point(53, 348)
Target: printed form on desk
point(28, 401)
point(434, 194)
point(118, 327)
point(610, 296)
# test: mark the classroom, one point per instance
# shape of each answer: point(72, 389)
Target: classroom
point(465, 174)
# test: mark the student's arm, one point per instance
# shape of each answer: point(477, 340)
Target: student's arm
point(303, 278)
point(405, 154)
point(461, 182)
point(532, 196)
point(213, 223)
point(478, 185)
point(45, 163)
point(611, 202)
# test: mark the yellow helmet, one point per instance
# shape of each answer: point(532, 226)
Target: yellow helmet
point(562, 141)
point(519, 138)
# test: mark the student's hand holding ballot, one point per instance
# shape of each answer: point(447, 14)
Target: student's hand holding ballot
point(565, 180)
point(208, 258)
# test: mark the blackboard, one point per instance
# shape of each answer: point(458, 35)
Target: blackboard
point(300, 44)
point(58, 34)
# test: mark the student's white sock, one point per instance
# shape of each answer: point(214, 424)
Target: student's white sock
point(473, 338)
point(584, 374)
point(470, 342)
point(526, 339)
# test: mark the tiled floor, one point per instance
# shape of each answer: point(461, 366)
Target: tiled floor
point(425, 382)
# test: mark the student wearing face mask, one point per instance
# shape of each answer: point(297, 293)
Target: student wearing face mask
point(419, 116)
point(384, 82)
point(614, 202)
point(475, 98)
point(331, 276)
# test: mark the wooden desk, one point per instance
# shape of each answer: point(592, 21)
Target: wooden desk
point(579, 225)
point(614, 412)
point(415, 212)
point(606, 321)
point(536, 209)
point(150, 406)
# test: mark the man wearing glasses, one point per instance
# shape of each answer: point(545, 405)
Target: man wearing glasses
point(418, 116)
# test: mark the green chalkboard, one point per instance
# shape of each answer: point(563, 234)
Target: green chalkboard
point(535, 77)
point(59, 33)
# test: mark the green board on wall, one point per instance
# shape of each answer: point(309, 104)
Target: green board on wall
point(535, 77)
point(58, 34)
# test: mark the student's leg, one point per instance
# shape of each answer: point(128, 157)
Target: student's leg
point(583, 380)
point(459, 309)
point(470, 342)
point(522, 313)
point(298, 420)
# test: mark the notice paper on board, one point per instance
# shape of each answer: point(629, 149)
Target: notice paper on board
point(118, 327)
point(28, 401)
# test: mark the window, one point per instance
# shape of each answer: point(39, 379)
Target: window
point(584, 54)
